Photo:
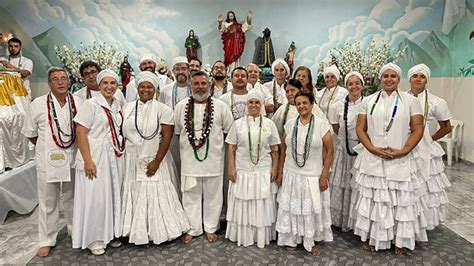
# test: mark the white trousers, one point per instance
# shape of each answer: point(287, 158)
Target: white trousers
point(203, 204)
point(49, 195)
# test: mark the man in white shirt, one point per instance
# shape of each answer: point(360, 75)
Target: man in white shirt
point(147, 63)
point(219, 84)
point(17, 62)
point(202, 121)
point(173, 93)
point(55, 151)
point(89, 71)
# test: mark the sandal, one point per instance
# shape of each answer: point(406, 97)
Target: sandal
point(98, 251)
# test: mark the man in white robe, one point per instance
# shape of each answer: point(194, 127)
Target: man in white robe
point(147, 63)
point(17, 62)
point(202, 148)
point(55, 150)
point(173, 93)
point(89, 71)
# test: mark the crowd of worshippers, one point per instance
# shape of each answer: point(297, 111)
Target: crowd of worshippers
point(285, 161)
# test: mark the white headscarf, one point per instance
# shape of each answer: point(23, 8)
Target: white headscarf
point(180, 59)
point(332, 70)
point(353, 73)
point(107, 73)
point(283, 62)
point(150, 77)
point(253, 94)
point(147, 57)
point(420, 68)
point(391, 66)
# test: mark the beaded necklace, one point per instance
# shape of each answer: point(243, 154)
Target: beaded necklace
point(207, 122)
point(329, 100)
point(119, 148)
point(307, 143)
point(258, 143)
point(213, 85)
point(346, 110)
point(52, 115)
point(426, 108)
point(138, 130)
point(394, 111)
point(174, 95)
point(275, 100)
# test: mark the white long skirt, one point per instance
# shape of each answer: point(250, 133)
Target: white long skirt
point(251, 209)
point(151, 209)
point(297, 222)
point(340, 188)
point(97, 202)
point(386, 211)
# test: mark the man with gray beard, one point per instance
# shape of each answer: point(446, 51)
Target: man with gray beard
point(200, 119)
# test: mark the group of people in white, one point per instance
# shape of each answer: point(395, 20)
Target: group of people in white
point(153, 166)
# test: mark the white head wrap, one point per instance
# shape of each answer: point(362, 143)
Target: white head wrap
point(391, 66)
point(147, 57)
point(150, 77)
point(420, 68)
point(283, 62)
point(353, 73)
point(332, 70)
point(180, 59)
point(254, 94)
point(107, 73)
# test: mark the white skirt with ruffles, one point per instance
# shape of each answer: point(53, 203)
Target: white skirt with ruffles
point(251, 209)
point(297, 220)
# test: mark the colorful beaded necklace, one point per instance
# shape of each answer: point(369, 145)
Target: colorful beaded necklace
point(208, 119)
point(394, 111)
point(119, 147)
point(52, 116)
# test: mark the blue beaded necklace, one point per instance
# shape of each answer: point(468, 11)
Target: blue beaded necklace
point(174, 95)
point(394, 111)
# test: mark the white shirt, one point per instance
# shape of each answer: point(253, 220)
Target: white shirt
point(24, 64)
point(279, 91)
point(222, 122)
point(314, 163)
point(171, 95)
point(336, 116)
point(327, 97)
point(36, 122)
point(437, 110)
point(82, 93)
point(238, 135)
point(280, 120)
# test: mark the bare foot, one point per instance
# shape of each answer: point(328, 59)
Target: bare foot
point(400, 251)
point(43, 251)
point(186, 239)
point(290, 248)
point(368, 247)
point(315, 251)
point(211, 237)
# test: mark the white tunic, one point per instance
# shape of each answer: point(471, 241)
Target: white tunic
point(97, 208)
point(151, 208)
point(327, 97)
point(172, 94)
point(22, 63)
point(281, 116)
point(280, 93)
point(213, 165)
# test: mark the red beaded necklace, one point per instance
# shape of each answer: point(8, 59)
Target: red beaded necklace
point(118, 146)
point(52, 116)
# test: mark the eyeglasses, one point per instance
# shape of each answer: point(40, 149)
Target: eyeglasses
point(90, 74)
point(59, 80)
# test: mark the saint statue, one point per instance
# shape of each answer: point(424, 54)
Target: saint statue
point(264, 54)
point(126, 73)
point(192, 45)
point(233, 37)
point(290, 56)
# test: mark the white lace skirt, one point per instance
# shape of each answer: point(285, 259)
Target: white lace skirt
point(385, 211)
point(151, 209)
point(340, 188)
point(251, 209)
point(297, 221)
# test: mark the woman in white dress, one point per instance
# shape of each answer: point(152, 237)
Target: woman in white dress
point(386, 207)
point(304, 214)
point(343, 116)
point(99, 169)
point(435, 111)
point(253, 165)
point(152, 213)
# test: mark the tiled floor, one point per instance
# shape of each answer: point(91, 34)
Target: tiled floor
point(447, 245)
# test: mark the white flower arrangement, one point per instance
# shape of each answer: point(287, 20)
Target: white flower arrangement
point(352, 57)
point(105, 55)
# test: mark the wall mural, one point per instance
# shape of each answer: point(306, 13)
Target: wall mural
point(438, 33)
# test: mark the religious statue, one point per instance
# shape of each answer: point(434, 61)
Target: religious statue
point(192, 45)
point(264, 54)
point(290, 56)
point(3, 46)
point(126, 73)
point(233, 37)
